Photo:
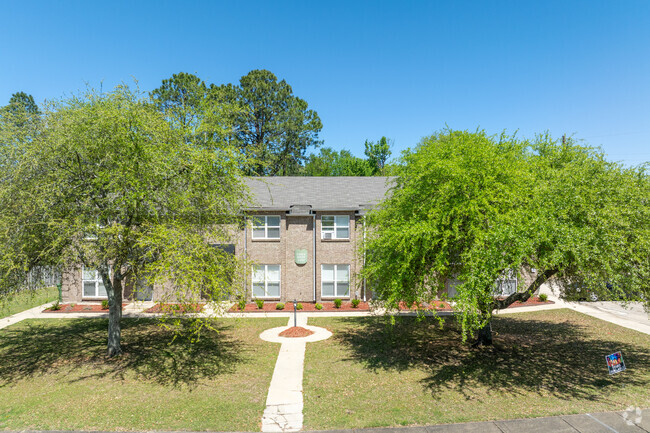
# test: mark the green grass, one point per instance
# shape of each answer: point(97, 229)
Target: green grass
point(54, 376)
point(25, 300)
point(544, 363)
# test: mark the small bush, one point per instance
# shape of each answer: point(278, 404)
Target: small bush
point(279, 306)
point(260, 303)
point(56, 306)
point(299, 306)
point(105, 304)
point(241, 304)
point(337, 303)
point(355, 303)
point(543, 297)
point(318, 306)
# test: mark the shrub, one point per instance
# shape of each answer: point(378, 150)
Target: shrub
point(241, 304)
point(543, 297)
point(337, 303)
point(355, 303)
point(105, 304)
point(318, 306)
point(279, 306)
point(299, 306)
point(56, 306)
point(260, 303)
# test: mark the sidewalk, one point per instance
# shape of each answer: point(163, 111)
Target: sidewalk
point(602, 422)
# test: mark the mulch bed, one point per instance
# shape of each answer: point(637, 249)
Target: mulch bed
point(306, 306)
point(296, 332)
point(175, 308)
point(533, 300)
point(434, 305)
point(80, 308)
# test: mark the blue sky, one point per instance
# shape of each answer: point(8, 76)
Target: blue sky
point(402, 69)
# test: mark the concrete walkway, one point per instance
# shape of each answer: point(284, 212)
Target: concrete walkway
point(32, 313)
point(284, 401)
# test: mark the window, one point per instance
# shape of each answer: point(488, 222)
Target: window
point(335, 281)
point(506, 285)
point(266, 281)
point(266, 227)
point(93, 286)
point(335, 227)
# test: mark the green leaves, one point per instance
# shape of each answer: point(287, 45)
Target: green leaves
point(470, 207)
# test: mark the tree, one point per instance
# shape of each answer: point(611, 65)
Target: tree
point(273, 128)
point(109, 185)
point(22, 102)
point(180, 99)
point(471, 207)
point(332, 163)
point(377, 154)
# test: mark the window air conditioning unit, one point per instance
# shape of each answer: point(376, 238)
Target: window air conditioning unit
point(327, 235)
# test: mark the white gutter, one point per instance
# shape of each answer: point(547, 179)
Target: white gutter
point(314, 252)
point(364, 257)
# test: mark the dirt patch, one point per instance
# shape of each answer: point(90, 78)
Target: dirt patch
point(296, 332)
point(80, 308)
point(175, 308)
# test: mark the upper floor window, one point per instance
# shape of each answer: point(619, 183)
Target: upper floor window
point(335, 227)
point(93, 285)
point(266, 227)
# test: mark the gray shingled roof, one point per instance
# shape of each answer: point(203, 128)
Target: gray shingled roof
point(319, 192)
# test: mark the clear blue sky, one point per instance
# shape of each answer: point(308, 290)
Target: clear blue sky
point(402, 69)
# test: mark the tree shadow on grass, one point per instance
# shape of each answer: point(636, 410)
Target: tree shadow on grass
point(565, 359)
point(37, 347)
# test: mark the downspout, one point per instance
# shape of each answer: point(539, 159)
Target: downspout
point(364, 256)
point(246, 257)
point(314, 252)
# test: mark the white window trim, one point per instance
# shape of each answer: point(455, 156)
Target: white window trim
point(332, 229)
point(266, 227)
point(97, 279)
point(266, 282)
point(336, 282)
point(508, 277)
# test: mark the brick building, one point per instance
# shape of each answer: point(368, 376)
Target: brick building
point(302, 240)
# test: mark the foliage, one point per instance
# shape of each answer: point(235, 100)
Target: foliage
point(105, 304)
point(377, 154)
point(332, 163)
point(279, 306)
point(270, 126)
point(259, 303)
point(318, 306)
point(543, 297)
point(355, 302)
point(337, 303)
point(299, 306)
point(107, 183)
point(56, 306)
point(467, 208)
point(241, 304)
point(180, 99)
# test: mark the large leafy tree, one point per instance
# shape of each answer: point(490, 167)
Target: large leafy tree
point(271, 127)
point(107, 183)
point(378, 154)
point(329, 162)
point(180, 98)
point(471, 208)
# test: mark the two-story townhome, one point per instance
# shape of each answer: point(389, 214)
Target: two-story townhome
point(301, 241)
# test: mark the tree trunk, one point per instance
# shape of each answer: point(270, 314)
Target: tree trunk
point(114, 293)
point(484, 336)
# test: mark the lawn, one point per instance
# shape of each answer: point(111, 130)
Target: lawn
point(54, 376)
point(27, 299)
point(370, 374)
